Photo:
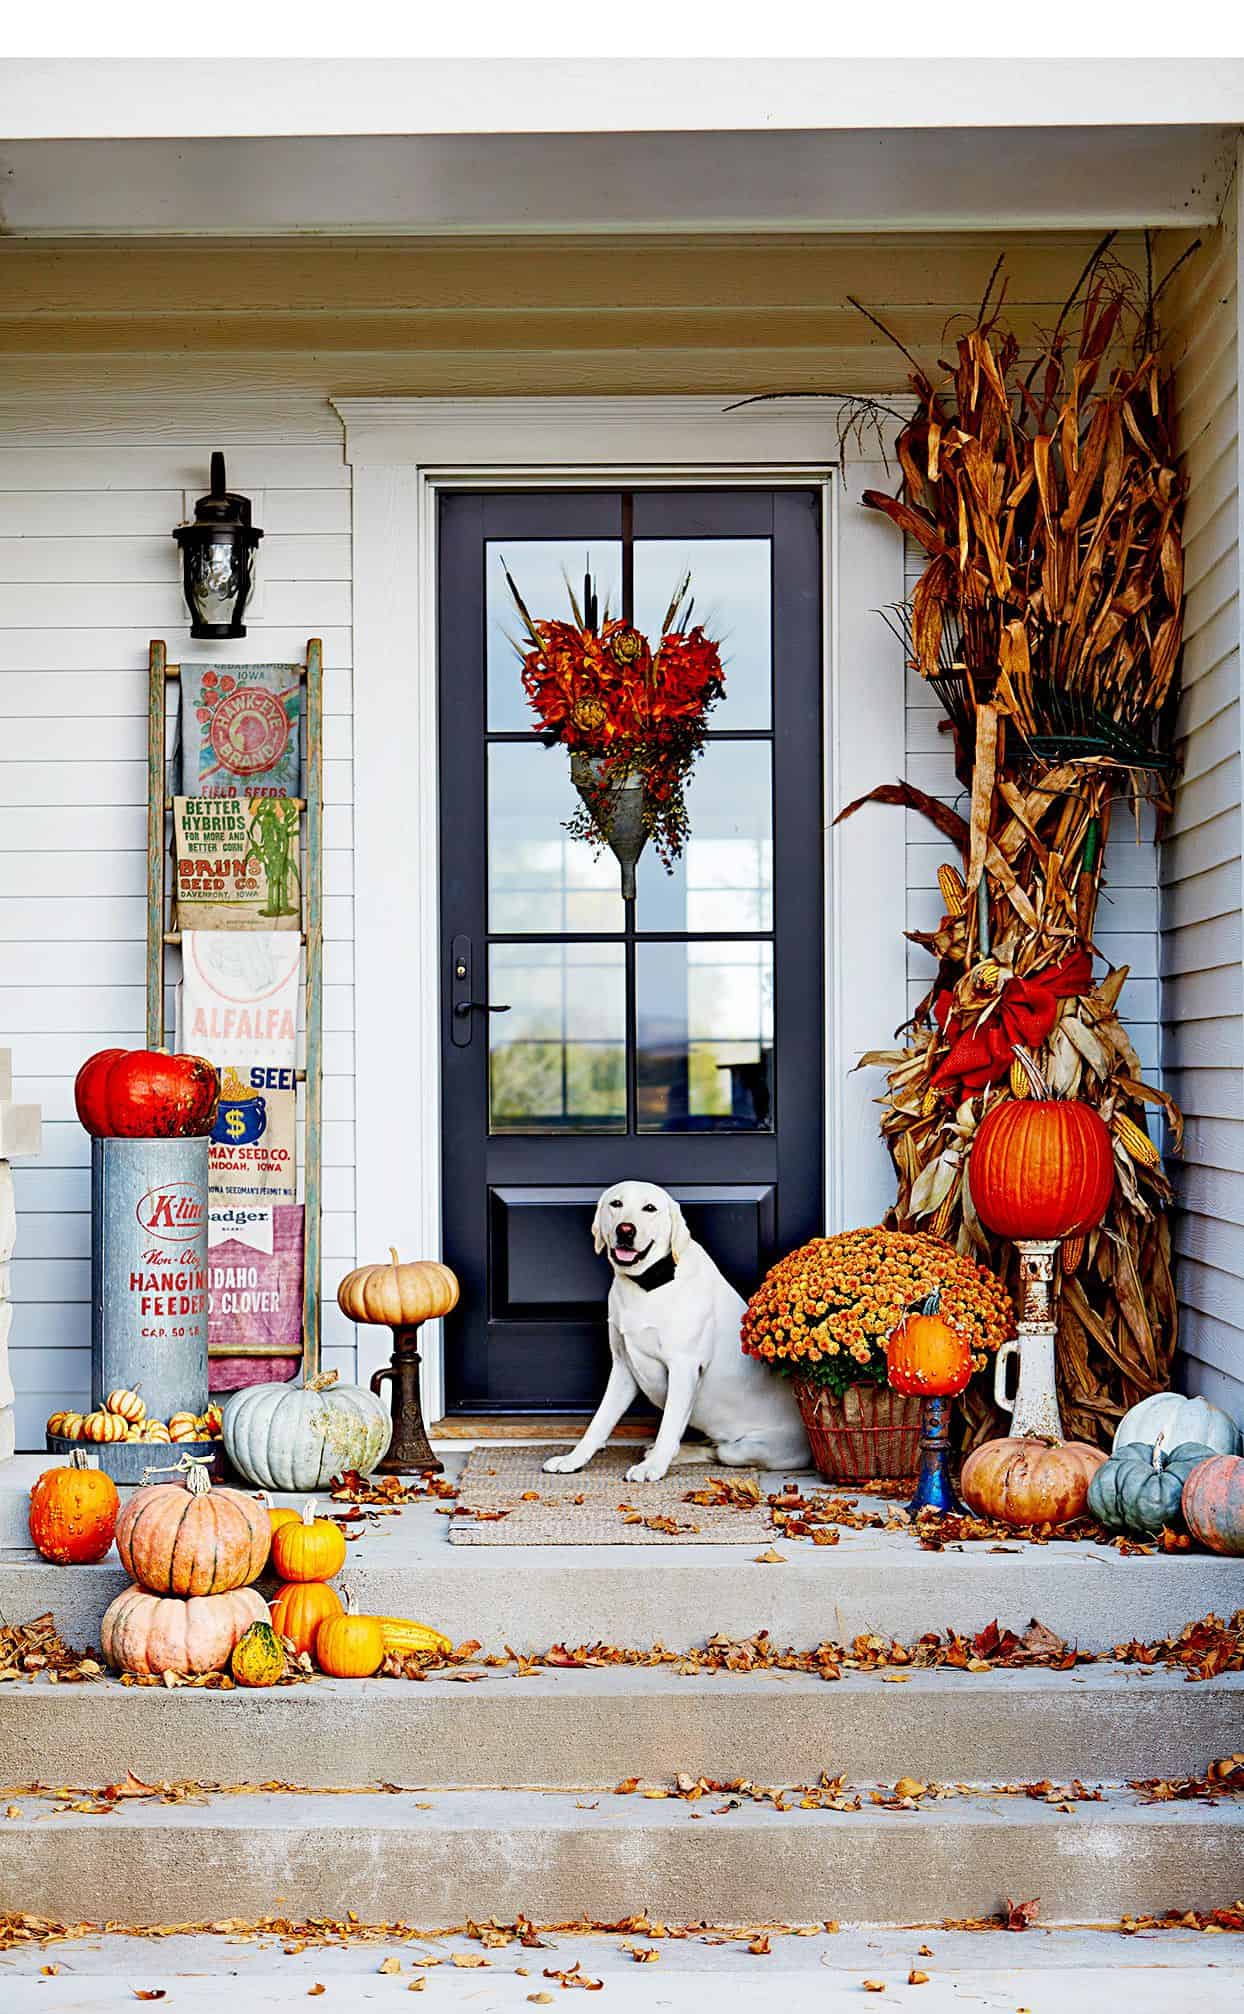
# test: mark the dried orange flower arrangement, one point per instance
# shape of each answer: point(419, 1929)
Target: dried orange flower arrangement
point(825, 1312)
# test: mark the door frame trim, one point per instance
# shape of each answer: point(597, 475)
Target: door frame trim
point(403, 453)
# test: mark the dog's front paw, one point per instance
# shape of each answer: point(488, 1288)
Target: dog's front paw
point(647, 1471)
point(564, 1465)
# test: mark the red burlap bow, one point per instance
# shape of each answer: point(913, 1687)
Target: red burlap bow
point(1024, 1015)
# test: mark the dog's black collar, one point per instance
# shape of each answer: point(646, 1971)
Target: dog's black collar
point(659, 1275)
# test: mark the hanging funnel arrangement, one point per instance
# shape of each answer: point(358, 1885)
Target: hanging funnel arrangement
point(618, 809)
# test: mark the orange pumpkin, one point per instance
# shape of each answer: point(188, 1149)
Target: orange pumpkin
point(193, 1541)
point(1041, 1167)
point(349, 1645)
point(309, 1547)
point(1213, 1504)
point(925, 1356)
point(278, 1514)
point(150, 1633)
point(300, 1608)
point(400, 1295)
point(73, 1513)
point(1026, 1482)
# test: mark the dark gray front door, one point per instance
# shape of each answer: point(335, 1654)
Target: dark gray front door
point(677, 1039)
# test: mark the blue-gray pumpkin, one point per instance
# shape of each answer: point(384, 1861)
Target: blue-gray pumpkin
point(1140, 1488)
point(298, 1437)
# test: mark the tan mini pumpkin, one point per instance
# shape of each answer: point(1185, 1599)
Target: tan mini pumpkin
point(72, 1427)
point(56, 1423)
point(149, 1633)
point(1030, 1482)
point(401, 1295)
point(155, 1430)
point(193, 1541)
point(129, 1405)
point(102, 1426)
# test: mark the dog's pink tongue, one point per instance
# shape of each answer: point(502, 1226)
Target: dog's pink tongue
point(624, 1251)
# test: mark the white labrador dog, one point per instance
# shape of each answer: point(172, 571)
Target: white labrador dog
point(674, 1336)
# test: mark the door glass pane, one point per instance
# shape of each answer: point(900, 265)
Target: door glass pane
point(723, 879)
point(731, 583)
point(539, 878)
point(557, 1059)
point(705, 1037)
point(540, 568)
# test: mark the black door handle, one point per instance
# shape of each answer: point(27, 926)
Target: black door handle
point(479, 1007)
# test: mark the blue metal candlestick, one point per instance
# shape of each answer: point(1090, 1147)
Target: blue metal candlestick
point(934, 1490)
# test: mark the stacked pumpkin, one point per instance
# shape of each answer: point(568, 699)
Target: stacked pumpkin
point(123, 1417)
point(194, 1553)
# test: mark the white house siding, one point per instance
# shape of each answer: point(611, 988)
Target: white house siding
point(1202, 996)
point(121, 367)
point(86, 577)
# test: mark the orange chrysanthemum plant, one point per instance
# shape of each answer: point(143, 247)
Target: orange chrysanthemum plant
point(597, 686)
point(826, 1312)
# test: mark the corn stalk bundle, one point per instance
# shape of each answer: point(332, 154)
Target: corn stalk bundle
point(1048, 503)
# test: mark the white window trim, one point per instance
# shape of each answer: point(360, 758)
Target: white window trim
point(404, 452)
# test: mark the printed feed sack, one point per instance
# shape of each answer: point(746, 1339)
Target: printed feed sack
point(254, 1281)
point(238, 1001)
point(239, 730)
point(237, 863)
point(252, 1156)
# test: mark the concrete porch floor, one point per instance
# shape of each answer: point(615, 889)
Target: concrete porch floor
point(531, 1597)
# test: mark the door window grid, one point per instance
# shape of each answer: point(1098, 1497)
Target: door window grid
point(677, 1072)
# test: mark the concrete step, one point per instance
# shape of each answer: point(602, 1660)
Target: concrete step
point(593, 1728)
point(439, 1858)
point(806, 1974)
point(533, 1597)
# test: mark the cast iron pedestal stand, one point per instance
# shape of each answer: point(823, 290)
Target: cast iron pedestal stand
point(409, 1450)
point(934, 1490)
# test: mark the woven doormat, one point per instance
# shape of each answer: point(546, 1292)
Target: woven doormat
point(599, 1507)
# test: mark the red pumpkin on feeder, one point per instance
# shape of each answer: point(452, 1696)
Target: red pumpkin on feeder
point(1041, 1167)
point(146, 1094)
point(925, 1356)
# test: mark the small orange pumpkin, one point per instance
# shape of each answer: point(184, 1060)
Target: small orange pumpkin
point(278, 1514)
point(1025, 1482)
point(400, 1295)
point(73, 1512)
point(309, 1547)
point(72, 1427)
point(299, 1608)
point(350, 1645)
point(925, 1356)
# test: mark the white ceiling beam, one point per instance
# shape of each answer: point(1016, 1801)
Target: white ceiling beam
point(152, 97)
point(986, 179)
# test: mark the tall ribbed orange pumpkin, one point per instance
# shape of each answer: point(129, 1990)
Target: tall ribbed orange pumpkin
point(1041, 1167)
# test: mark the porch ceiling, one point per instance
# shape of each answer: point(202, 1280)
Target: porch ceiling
point(866, 179)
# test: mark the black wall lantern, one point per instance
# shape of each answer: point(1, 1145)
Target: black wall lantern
point(218, 559)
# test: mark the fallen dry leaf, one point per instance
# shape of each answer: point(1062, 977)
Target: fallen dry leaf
point(468, 1961)
point(760, 1947)
point(416, 1985)
point(874, 1986)
point(313, 1990)
point(540, 1999)
point(149, 1992)
point(770, 1558)
point(917, 1978)
point(390, 1965)
point(1019, 1915)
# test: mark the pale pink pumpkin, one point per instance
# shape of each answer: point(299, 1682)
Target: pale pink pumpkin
point(150, 1633)
point(192, 1541)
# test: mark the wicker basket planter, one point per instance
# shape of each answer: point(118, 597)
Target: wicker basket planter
point(867, 1434)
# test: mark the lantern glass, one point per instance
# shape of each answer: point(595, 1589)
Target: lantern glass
point(218, 559)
